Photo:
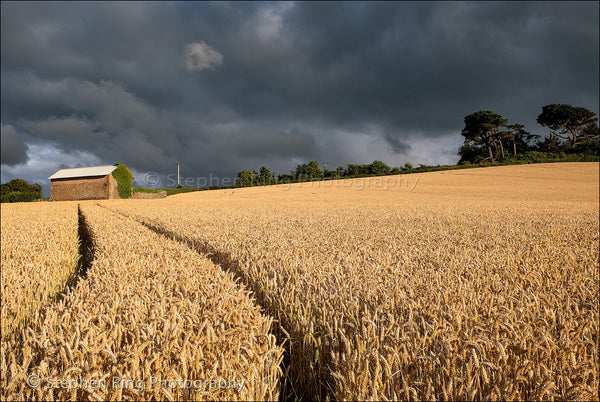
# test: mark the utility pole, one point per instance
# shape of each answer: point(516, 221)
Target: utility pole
point(177, 174)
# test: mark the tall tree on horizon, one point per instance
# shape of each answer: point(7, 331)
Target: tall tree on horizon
point(568, 122)
point(481, 128)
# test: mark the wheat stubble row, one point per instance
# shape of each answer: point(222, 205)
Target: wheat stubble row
point(148, 309)
point(440, 293)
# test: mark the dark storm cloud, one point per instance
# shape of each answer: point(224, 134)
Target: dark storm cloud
point(14, 151)
point(278, 144)
point(221, 87)
point(397, 145)
point(424, 67)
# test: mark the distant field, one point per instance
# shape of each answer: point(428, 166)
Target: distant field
point(467, 284)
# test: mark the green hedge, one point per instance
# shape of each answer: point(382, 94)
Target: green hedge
point(123, 176)
point(547, 157)
point(146, 190)
point(22, 196)
point(177, 190)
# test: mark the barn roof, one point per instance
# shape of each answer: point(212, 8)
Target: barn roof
point(83, 172)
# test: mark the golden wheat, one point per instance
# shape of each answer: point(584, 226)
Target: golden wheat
point(472, 284)
point(39, 254)
point(150, 315)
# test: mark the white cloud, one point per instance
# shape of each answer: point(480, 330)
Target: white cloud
point(432, 151)
point(269, 23)
point(198, 56)
point(269, 29)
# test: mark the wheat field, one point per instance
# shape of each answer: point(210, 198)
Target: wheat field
point(149, 310)
point(456, 285)
point(474, 284)
point(39, 240)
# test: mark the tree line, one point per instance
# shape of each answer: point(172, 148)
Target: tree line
point(490, 138)
point(18, 190)
point(313, 171)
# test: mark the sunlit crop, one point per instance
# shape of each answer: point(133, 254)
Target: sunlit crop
point(39, 254)
point(477, 284)
point(150, 315)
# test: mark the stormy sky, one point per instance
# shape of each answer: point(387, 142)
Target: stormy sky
point(225, 86)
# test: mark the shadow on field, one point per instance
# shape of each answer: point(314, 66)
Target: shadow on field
point(87, 246)
point(87, 250)
point(298, 382)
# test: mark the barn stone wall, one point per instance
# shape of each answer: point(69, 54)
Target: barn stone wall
point(83, 188)
point(112, 187)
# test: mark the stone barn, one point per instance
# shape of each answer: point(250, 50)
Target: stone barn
point(88, 183)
